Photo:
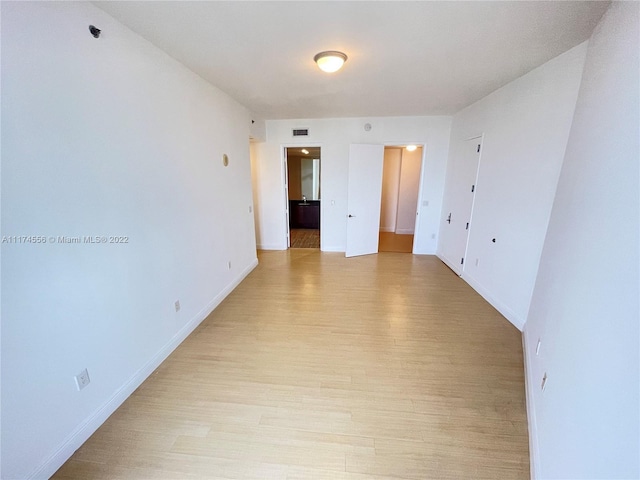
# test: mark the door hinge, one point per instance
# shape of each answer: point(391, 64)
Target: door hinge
point(478, 150)
point(467, 227)
point(473, 188)
point(462, 261)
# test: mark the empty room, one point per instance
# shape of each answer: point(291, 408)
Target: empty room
point(320, 240)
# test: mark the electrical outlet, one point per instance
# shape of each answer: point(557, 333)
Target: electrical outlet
point(544, 382)
point(433, 236)
point(82, 379)
point(177, 305)
point(425, 203)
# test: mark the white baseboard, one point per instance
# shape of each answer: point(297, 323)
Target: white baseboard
point(423, 251)
point(333, 249)
point(449, 263)
point(509, 314)
point(270, 246)
point(534, 455)
point(405, 231)
point(387, 229)
point(97, 418)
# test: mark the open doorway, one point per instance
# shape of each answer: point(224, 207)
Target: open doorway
point(399, 203)
point(303, 191)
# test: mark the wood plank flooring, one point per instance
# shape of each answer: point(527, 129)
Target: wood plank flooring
point(386, 366)
point(393, 242)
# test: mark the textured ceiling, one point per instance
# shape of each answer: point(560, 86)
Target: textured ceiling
point(405, 58)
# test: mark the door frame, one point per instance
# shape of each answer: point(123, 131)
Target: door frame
point(422, 145)
point(285, 188)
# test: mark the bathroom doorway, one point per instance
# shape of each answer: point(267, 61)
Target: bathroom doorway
point(402, 169)
point(303, 196)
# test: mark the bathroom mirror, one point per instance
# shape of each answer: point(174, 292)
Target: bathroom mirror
point(303, 169)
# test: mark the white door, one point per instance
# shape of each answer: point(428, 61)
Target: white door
point(458, 203)
point(286, 197)
point(363, 199)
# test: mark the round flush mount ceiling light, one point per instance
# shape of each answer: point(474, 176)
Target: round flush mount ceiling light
point(330, 61)
point(411, 148)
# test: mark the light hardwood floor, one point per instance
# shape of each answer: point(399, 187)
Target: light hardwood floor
point(393, 242)
point(319, 367)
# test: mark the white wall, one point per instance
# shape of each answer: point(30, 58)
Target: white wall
point(526, 125)
point(106, 136)
point(334, 136)
point(408, 191)
point(257, 131)
point(270, 196)
point(255, 184)
point(585, 305)
point(390, 186)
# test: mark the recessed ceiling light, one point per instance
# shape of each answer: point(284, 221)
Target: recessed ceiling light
point(411, 148)
point(305, 151)
point(330, 61)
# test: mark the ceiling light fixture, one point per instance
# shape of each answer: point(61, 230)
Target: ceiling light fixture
point(305, 151)
point(411, 148)
point(330, 61)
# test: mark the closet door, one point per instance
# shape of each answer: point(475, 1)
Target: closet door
point(457, 210)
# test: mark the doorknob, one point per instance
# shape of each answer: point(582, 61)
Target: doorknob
point(449, 219)
point(351, 216)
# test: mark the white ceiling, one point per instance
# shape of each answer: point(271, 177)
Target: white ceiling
point(405, 58)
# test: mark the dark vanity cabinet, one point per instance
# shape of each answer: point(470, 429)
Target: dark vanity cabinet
point(304, 214)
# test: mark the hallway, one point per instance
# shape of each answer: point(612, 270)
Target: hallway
point(393, 242)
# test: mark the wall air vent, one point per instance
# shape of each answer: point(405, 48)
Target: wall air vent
point(300, 132)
